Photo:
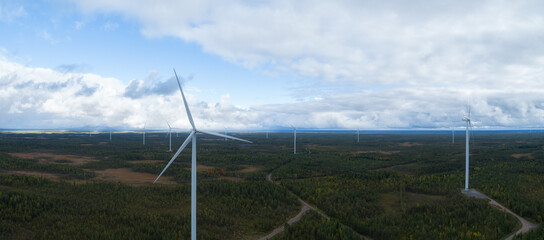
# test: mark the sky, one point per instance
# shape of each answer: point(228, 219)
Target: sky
point(259, 65)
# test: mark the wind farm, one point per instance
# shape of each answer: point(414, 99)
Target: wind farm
point(292, 120)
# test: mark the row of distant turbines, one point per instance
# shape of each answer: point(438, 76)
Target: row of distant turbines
point(193, 139)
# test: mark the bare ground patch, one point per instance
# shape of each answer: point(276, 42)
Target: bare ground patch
point(380, 152)
point(203, 168)
point(409, 144)
point(520, 155)
point(73, 160)
point(249, 168)
point(125, 175)
point(145, 161)
point(234, 179)
point(35, 174)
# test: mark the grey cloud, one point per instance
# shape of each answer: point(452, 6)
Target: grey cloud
point(86, 91)
point(68, 68)
point(150, 86)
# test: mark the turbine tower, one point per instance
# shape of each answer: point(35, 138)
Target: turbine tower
point(192, 138)
point(170, 134)
point(110, 135)
point(452, 135)
point(294, 139)
point(469, 126)
point(143, 136)
point(357, 135)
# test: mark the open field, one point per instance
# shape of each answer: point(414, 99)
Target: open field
point(391, 185)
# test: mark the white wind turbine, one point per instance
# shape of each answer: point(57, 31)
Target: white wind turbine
point(192, 138)
point(143, 136)
point(469, 127)
point(452, 135)
point(170, 135)
point(357, 135)
point(294, 139)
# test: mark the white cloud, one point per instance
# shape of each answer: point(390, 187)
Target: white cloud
point(45, 98)
point(448, 43)
point(364, 64)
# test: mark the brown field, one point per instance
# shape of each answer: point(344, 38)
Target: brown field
point(520, 155)
point(86, 144)
point(125, 175)
point(145, 161)
point(409, 144)
point(249, 168)
point(74, 160)
point(203, 168)
point(35, 174)
point(381, 152)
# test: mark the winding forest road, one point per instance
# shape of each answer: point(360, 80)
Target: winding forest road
point(305, 207)
point(525, 225)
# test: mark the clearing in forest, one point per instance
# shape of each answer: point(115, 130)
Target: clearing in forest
point(125, 175)
point(50, 176)
point(380, 152)
point(73, 160)
point(409, 144)
point(520, 155)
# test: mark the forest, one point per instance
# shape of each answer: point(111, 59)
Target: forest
point(389, 185)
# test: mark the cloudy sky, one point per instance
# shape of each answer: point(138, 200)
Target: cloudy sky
point(268, 64)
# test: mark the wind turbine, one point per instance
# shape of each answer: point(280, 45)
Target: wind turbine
point(357, 135)
point(110, 135)
point(143, 136)
point(294, 139)
point(170, 134)
point(452, 135)
point(469, 126)
point(192, 138)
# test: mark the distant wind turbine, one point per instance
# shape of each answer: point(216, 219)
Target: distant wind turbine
point(192, 138)
point(452, 135)
point(143, 136)
point(294, 139)
point(110, 135)
point(170, 135)
point(357, 135)
point(469, 127)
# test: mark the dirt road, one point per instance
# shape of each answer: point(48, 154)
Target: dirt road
point(305, 207)
point(525, 225)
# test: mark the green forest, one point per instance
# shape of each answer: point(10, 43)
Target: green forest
point(390, 185)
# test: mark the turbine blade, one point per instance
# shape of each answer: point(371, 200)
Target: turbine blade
point(185, 102)
point(177, 153)
point(168, 125)
point(224, 136)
